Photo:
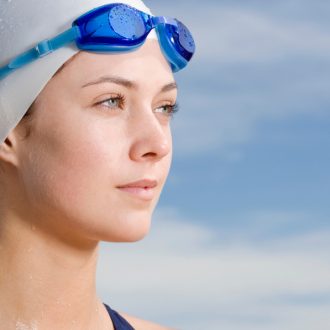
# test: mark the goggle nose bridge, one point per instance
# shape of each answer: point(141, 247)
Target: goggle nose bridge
point(157, 20)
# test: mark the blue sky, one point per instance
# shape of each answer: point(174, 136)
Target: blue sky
point(240, 238)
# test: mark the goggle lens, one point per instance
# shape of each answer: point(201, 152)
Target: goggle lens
point(185, 38)
point(127, 22)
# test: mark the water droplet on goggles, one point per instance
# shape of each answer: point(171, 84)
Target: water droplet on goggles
point(127, 22)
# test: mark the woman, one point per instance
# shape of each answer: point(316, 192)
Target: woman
point(88, 160)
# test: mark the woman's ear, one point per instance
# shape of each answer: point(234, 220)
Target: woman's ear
point(8, 149)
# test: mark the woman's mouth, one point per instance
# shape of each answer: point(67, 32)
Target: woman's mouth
point(142, 189)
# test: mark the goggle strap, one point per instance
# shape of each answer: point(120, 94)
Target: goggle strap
point(65, 38)
point(42, 49)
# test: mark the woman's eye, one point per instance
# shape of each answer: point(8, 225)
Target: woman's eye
point(114, 102)
point(168, 109)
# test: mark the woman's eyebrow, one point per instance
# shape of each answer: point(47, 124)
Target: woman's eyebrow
point(169, 87)
point(127, 83)
point(112, 79)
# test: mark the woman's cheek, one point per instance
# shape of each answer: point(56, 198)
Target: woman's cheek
point(62, 166)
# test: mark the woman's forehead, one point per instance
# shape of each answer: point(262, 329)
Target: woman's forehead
point(147, 65)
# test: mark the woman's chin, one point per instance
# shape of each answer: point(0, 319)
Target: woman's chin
point(130, 230)
point(125, 237)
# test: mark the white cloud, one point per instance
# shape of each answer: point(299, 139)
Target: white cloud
point(184, 276)
point(251, 36)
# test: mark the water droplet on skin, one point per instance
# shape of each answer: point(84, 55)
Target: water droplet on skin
point(33, 227)
point(22, 326)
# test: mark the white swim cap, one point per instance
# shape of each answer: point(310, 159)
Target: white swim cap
point(23, 24)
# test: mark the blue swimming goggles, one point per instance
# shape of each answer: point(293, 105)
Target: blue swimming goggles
point(116, 28)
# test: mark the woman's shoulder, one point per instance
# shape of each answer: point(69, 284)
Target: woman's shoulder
point(140, 324)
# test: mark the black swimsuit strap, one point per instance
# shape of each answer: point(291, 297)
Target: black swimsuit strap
point(118, 321)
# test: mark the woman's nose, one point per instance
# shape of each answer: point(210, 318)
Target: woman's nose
point(151, 139)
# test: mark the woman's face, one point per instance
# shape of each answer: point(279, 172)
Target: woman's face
point(101, 123)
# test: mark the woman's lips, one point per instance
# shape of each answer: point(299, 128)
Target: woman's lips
point(143, 189)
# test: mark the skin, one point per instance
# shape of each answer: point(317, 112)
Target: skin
point(60, 185)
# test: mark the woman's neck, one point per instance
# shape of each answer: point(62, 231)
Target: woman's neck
point(46, 283)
